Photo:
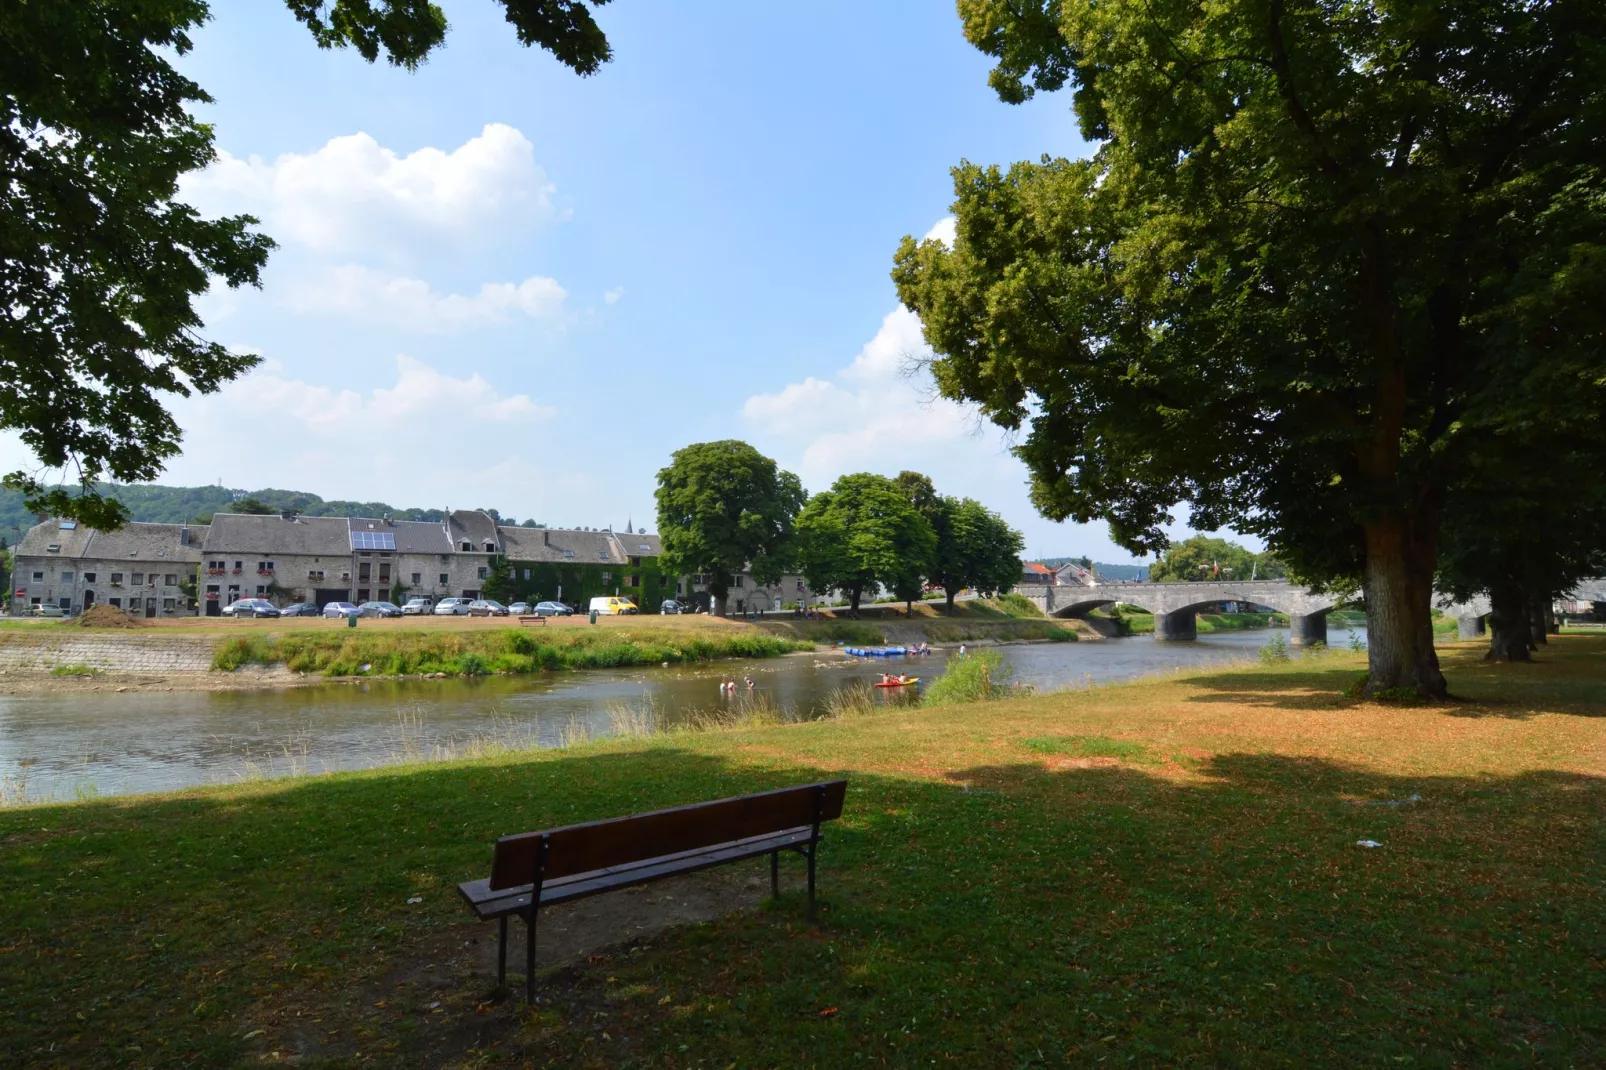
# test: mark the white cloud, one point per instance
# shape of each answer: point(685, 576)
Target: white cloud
point(355, 194)
point(413, 305)
point(880, 413)
point(613, 295)
point(944, 230)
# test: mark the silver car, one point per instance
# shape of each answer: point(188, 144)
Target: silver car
point(379, 609)
point(487, 607)
point(452, 607)
point(417, 607)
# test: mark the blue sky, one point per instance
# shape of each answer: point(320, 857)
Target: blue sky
point(501, 284)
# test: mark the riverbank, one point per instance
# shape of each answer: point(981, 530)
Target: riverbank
point(1166, 870)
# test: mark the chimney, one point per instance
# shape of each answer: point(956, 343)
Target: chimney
point(40, 518)
point(546, 537)
point(183, 536)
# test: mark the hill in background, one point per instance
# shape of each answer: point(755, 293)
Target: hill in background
point(157, 504)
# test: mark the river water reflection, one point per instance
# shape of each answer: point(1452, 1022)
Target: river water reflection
point(71, 745)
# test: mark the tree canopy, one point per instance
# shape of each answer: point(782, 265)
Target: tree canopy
point(861, 534)
point(1288, 280)
point(723, 508)
point(1206, 557)
point(100, 264)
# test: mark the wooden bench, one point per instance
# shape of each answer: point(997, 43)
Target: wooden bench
point(536, 869)
point(532, 620)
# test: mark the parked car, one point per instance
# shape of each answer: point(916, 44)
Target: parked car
point(673, 607)
point(251, 607)
point(48, 609)
point(417, 607)
point(487, 607)
point(379, 609)
point(452, 607)
point(521, 608)
point(608, 604)
point(339, 609)
point(552, 609)
point(300, 609)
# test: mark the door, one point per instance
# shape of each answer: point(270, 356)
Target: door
point(89, 599)
point(214, 605)
point(150, 607)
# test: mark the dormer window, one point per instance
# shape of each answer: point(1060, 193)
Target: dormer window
point(468, 547)
point(490, 547)
point(53, 548)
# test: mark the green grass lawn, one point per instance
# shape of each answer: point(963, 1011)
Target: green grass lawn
point(1162, 871)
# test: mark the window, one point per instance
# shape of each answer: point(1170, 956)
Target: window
point(445, 579)
point(66, 577)
point(602, 555)
point(171, 579)
point(418, 578)
point(238, 565)
point(568, 553)
point(384, 572)
point(738, 581)
point(467, 546)
point(635, 560)
point(363, 570)
point(633, 580)
point(138, 578)
point(117, 579)
point(315, 574)
point(89, 577)
point(362, 595)
point(490, 547)
point(607, 577)
point(480, 572)
point(115, 603)
point(168, 605)
point(262, 592)
point(39, 577)
point(526, 573)
point(264, 566)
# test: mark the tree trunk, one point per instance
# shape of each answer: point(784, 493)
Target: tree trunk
point(717, 590)
point(1509, 634)
point(1399, 612)
point(853, 600)
point(948, 601)
point(1539, 620)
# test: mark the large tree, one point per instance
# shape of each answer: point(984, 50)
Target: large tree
point(99, 263)
point(1275, 290)
point(1206, 557)
point(725, 508)
point(861, 534)
point(976, 549)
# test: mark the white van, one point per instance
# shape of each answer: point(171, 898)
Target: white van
point(605, 604)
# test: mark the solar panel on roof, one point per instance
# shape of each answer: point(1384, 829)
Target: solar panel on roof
point(373, 540)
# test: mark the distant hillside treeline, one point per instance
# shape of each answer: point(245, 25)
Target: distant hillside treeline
point(1104, 571)
point(177, 505)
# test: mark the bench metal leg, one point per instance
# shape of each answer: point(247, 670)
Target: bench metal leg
point(529, 955)
point(812, 851)
point(775, 874)
point(501, 953)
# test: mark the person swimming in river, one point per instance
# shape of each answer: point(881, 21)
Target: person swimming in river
point(750, 684)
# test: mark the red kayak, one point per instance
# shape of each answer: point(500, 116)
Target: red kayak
point(898, 683)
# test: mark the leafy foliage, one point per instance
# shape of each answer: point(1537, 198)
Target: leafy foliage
point(1287, 282)
point(100, 264)
point(1205, 557)
point(723, 508)
point(864, 533)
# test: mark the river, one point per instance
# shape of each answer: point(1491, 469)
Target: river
point(62, 747)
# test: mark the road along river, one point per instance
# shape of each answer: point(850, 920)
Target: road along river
point(66, 746)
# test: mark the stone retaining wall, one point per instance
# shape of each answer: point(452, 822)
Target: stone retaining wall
point(107, 652)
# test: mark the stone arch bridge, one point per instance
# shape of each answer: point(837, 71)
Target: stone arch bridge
point(1175, 605)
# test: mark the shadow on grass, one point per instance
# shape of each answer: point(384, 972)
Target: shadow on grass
point(1078, 914)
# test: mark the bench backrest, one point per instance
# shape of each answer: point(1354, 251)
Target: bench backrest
point(615, 841)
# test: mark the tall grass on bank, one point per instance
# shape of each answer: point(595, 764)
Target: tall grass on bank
point(974, 678)
point(481, 652)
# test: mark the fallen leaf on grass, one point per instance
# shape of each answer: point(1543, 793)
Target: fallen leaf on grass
point(829, 1012)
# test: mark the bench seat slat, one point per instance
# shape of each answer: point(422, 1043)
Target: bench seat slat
point(491, 903)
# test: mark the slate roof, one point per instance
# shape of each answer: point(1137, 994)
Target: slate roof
point(148, 542)
point(588, 547)
point(474, 526)
point(135, 541)
point(316, 536)
point(412, 536)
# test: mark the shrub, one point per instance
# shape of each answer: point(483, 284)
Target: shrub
point(1275, 651)
point(975, 678)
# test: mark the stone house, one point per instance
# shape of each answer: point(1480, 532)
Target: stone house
point(575, 565)
point(142, 568)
